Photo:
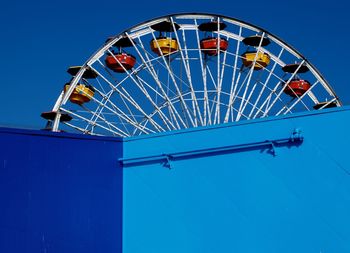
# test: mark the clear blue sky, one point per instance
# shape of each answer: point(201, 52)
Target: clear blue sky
point(41, 39)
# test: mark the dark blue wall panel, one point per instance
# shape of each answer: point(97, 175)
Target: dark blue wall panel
point(59, 193)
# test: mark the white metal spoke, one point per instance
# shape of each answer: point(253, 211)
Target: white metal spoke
point(284, 86)
point(195, 105)
point(170, 72)
point(151, 70)
point(166, 121)
point(96, 124)
point(298, 100)
point(206, 110)
point(109, 124)
point(120, 114)
point(265, 84)
point(220, 85)
point(233, 84)
point(129, 98)
point(240, 110)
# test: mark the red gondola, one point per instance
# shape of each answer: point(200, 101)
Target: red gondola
point(297, 87)
point(126, 62)
point(209, 45)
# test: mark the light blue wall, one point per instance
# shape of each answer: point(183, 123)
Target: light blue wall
point(246, 200)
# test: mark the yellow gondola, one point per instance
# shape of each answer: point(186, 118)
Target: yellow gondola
point(262, 60)
point(81, 94)
point(164, 46)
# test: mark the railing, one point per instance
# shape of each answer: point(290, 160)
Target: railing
point(295, 139)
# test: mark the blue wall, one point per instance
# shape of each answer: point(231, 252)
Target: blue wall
point(243, 199)
point(59, 193)
point(222, 189)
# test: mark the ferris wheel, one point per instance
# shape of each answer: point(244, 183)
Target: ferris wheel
point(183, 71)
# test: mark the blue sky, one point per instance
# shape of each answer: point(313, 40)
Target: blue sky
point(41, 39)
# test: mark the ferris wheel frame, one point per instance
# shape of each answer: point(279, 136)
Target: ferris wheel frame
point(144, 29)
